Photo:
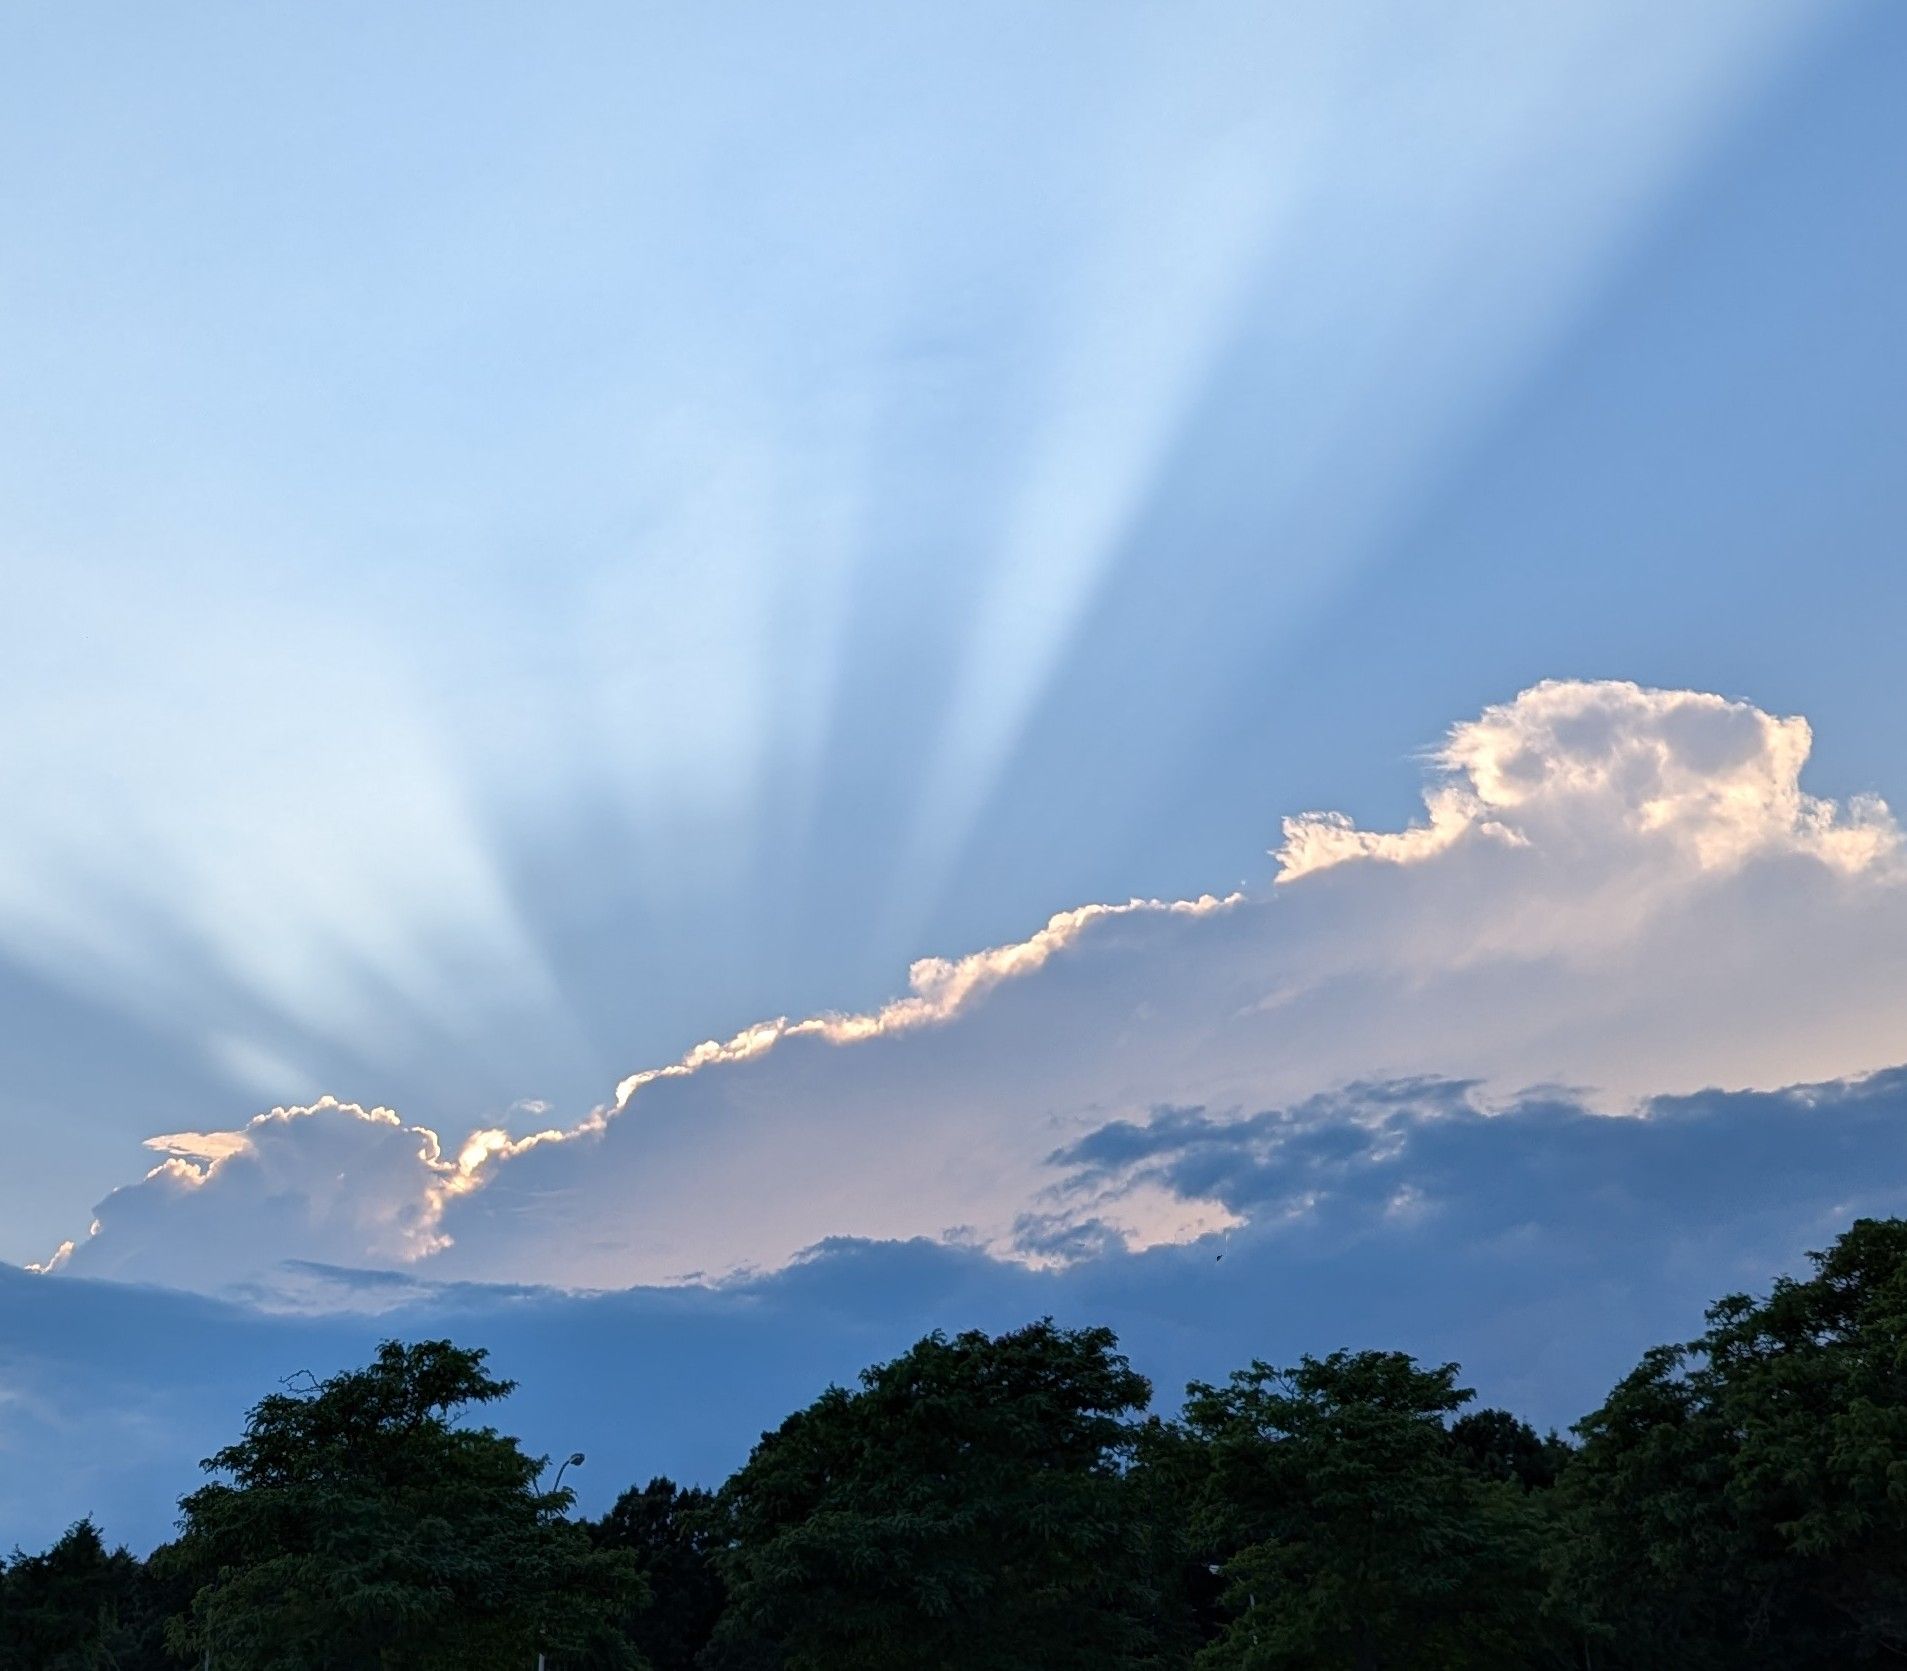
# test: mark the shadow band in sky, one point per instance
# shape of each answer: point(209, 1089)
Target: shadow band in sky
point(1543, 1246)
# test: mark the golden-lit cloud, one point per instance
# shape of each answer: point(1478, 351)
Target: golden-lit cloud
point(1621, 890)
point(1714, 782)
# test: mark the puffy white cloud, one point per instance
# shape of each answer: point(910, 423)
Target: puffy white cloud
point(1617, 889)
point(1542, 1246)
point(332, 1181)
point(1608, 768)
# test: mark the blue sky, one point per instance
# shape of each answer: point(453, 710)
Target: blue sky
point(531, 542)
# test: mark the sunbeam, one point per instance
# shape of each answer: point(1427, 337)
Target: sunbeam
point(580, 591)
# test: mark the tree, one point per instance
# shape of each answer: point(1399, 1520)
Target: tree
point(670, 1533)
point(1357, 1534)
point(1168, 1476)
point(1500, 1446)
point(1741, 1500)
point(78, 1607)
point(964, 1509)
point(361, 1524)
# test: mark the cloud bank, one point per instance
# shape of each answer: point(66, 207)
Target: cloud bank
point(1622, 891)
point(1541, 1244)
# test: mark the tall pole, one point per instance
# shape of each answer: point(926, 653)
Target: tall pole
point(573, 1460)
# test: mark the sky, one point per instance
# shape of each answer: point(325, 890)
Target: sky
point(686, 691)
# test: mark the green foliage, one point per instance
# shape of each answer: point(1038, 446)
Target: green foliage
point(79, 1607)
point(361, 1525)
point(1741, 1500)
point(1168, 1478)
point(1501, 1447)
point(671, 1535)
point(1360, 1535)
point(1738, 1503)
point(966, 1507)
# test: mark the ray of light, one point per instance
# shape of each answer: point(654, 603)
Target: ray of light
point(1391, 236)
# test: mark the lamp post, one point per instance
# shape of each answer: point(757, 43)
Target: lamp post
point(573, 1460)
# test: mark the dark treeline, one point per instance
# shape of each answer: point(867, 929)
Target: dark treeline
point(1006, 1503)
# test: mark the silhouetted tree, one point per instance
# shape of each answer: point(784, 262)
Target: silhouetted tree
point(670, 1533)
point(1360, 1537)
point(965, 1507)
point(78, 1607)
point(361, 1525)
point(1500, 1446)
point(1741, 1500)
point(995, 1503)
point(1168, 1478)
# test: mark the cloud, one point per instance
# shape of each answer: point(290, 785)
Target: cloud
point(1614, 889)
point(1540, 1243)
point(334, 1180)
point(1579, 768)
point(1349, 1161)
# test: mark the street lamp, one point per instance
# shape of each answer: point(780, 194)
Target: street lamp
point(573, 1460)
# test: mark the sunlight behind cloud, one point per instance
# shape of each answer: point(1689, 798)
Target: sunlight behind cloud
point(592, 533)
point(1476, 186)
point(1556, 923)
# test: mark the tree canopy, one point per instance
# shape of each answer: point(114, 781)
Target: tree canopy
point(1741, 1499)
point(672, 1534)
point(80, 1607)
point(985, 1502)
point(1359, 1534)
point(964, 1507)
point(359, 1522)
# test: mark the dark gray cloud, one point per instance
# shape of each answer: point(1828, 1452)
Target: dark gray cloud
point(1542, 1245)
point(1614, 887)
point(1437, 1153)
